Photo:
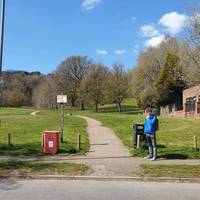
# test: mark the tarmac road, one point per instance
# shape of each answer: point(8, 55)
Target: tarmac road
point(96, 190)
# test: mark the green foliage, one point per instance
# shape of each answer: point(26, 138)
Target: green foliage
point(160, 74)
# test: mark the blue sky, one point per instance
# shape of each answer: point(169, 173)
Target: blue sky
point(39, 34)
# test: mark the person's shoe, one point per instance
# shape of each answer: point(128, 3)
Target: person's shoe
point(153, 159)
point(148, 157)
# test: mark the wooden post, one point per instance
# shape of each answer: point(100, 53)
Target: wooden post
point(195, 142)
point(138, 141)
point(9, 139)
point(78, 142)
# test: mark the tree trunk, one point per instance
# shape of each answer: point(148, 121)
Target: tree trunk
point(96, 107)
point(82, 107)
point(72, 102)
point(120, 107)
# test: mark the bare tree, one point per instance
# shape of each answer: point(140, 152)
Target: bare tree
point(44, 95)
point(191, 38)
point(18, 86)
point(69, 76)
point(118, 84)
point(94, 84)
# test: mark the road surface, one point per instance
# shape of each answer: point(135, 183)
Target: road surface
point(96, 190)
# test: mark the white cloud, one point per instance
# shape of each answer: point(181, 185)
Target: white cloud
point(102, 51)
point(120, 51)
point(149, 31)
point(133, 18)
point(90, 4)
point(155, 41)
point(174, 22)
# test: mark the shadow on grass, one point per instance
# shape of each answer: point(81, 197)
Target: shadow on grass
point(35, 149)
point(21, 150)
point(161, 146)
point(125, 110)
point(166, 153)
point(174, 156)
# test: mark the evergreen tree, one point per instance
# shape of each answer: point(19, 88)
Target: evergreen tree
point(170, 83)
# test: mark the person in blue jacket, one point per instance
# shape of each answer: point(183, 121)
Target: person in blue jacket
point(150, 126)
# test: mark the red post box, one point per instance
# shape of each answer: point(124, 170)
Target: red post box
point(51, 142)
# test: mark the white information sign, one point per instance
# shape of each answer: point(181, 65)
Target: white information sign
point(62, 99)
point(50, 144)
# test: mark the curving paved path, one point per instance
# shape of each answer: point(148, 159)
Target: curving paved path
point(107, 155)
point(35, 113)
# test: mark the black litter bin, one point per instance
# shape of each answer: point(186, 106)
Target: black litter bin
point(138, 129)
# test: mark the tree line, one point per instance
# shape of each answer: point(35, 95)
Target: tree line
point(158, 78)
point(87, 84)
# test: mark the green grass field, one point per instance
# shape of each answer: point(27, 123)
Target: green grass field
point(174, 138)
point(27, 131)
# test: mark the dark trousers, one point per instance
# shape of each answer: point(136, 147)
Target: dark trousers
point(151, 139)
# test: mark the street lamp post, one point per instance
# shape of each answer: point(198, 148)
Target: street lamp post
point(2, 15)
point(2, 36)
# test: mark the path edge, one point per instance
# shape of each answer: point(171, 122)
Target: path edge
point(97, 178)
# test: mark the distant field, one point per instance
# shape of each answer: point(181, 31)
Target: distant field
point(27, 130)
point(175, 137)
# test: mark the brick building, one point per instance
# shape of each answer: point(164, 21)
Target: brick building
point(191, 102)
point(190, 107)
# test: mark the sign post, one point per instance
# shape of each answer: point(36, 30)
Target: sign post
point(62, 100)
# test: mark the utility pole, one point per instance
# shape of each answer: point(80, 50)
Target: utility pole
point(2, 14)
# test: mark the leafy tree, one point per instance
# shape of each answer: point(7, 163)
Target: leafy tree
point(147, 71)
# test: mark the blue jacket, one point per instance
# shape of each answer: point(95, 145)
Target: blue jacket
point(150, 124)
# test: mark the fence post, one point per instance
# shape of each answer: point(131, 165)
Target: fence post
point(195, 142)
point(9, 139)
point(78, 142)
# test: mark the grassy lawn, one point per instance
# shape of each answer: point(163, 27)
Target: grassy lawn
point(42, 168)
point(27, 130)
point(174, 138)
point(176, 171)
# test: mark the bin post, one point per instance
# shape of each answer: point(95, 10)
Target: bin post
point(138, 141)
point(138, 130)
point(134, 136)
